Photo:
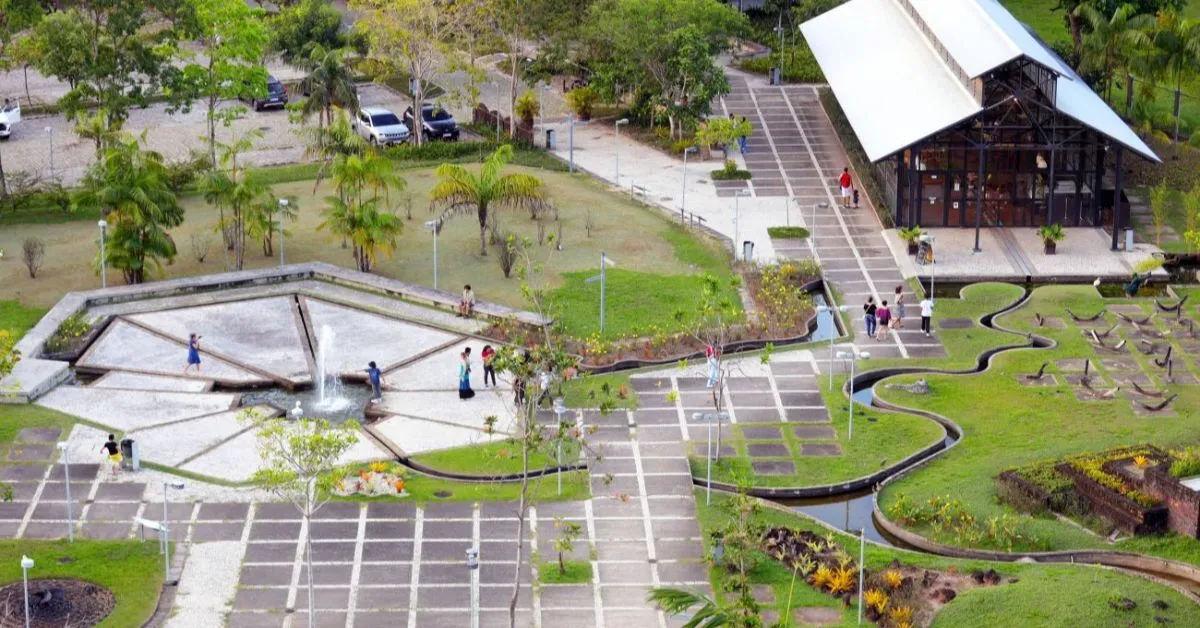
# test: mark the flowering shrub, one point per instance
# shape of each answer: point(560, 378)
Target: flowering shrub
point(377, 480)
point(948, 517)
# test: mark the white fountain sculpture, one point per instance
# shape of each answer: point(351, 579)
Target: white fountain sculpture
point(296, 412)
point(329, 385)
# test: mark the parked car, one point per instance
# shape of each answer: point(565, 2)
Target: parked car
point(436, 123)
point(277, 96)
point(380, 126)
point(10, 115)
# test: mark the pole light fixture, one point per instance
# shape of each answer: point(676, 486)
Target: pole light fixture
point(854, 356)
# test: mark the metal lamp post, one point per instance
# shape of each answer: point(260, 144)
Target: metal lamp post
point(931, 239)
point(167, 530)
point(812, 229)
point(710, 418)
point(542, 105)
point(473, 567)
point(617, 149)
point(435, 226)
point(62, 447)
point(26, 565)
point(560, 408)
point(831, 308)
point(854, 356)
point(50, 130)
point(604, 263)
point(103, 259)
point(283, 205)
point(737, 223)
point(683, 195)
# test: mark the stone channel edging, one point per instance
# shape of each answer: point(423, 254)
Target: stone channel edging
point(503, 477)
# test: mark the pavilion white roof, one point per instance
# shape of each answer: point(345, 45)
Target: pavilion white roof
point(896, 88)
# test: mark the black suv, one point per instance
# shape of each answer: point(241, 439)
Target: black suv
point(436, 124)
point(277, 96)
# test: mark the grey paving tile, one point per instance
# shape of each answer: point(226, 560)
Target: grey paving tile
point(39, 435)
point(445, 597)
point(13, 510)
point(203, 532)
point(448, 530)
point(113, 512)
point(327, 574)
point(381, 598)
point(30, 452)
point(276, 510)
point(22, 471)
point(773, 467)
point(325, 619)
point(123, 491)
point(266, 575)
point(106, 530)
point(385, 574)
point(224, 511)
point(274, 530)
point(333, 551)
point(270, 552)
point(449, 510)
point(768, 450)
point(442, 619)
point(260, 599)
point(391, 510)
point(256, 620)
point(389, 551)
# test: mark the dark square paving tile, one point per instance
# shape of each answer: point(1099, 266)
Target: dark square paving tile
point(30, 452)
point(567, 595)
point(675, 529)
point(47, 530)
point(801, 398)
point(656, 417)
point(325, 618)
point(39, 435)
point(276, 510)
point(392, 574)
point(647, 384)
point(791, 368)
point(274, 530)
point(748, 384)
point(817, 432)
point(449, 510)
point(270, 553)
point(441, 618)
point(807, 415)
point(768, 450)
point(621, 594)
point(338, 510)
point(328, 530)
point(669, 485)
point(773, 467)
point(224, 511)
point(217, 531)
point(381, 598)
point(690, 571)
point(51, 511)
point(23, 491)
point(121, 511)
point(499, 596)
point(266, 575)
point(390, 529)
point(446, 550)
point(757, 415)
point(444, 597)
point(79, 472)
point(761, 432)
point(665, 465)
point(333, 551)
point(13, 510)
point(669, 550)
point(107, 530)
point(753, 399)
point(121, 491)
point(796, 383)
point(57, 492)
point(498, 510)
point(448, 530)
point(387, 551)
point(256, 620)
point(502, 573)
point(551, 510)
point(260, 598)
point(391, 510)
point(655, 399)
point(22, 472)
point(380, 619)
point(337, 575)
point(820, 449)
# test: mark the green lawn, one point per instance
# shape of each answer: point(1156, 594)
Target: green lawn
point(490, 458)
point(1043, 595)
point(423, 489)
point(577, 571)
point(132, 570)
point(1007, 424)
point(16, 318)
point(14, 418)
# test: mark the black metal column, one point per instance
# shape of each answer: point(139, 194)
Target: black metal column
point(1119, 181)
point(979, 196)
point(1050, 190)
point(1097, 184)
point(901, 185)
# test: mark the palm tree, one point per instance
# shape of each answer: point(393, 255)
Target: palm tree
point(363, 183)
point(238, 194)
point(459, 191)
point(1175, 55)
point(324, 144)
point(99, 130)
point(132, 190)
point(1111, 42)
point(330, 83)
point(265, 215)
point(677, 601)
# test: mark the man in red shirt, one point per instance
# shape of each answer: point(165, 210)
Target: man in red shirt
point(847, 187)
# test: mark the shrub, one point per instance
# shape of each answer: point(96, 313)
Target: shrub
point(730, 172)
point(69, 332)
point(893, 578)
point(528, 107)
point(200, 245)
point(508, 255)
point(33, 251)
point(876, 599)
point(787, 233)
point(582, 100)
point(1187, 462)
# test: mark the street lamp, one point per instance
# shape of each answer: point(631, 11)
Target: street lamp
point(736, 224)
point(931, 239)
point(683, 196)
point(26, 565)
point(435, 226)
point(560, 408)
point(542, 105)
point(854, 356)
point(283, 205)
point(812, 229)
point(617, 149)
point(473, 567)
point(62, 447)
point(604, 263)
point(167, 530)
point(50, 130)
point(821, 309)
point(710, 418)
point(497, 111)
point(103, 260)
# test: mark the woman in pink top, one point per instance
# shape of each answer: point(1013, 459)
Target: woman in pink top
point(883, 316)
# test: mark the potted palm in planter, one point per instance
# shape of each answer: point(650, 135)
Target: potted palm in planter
point(1051, 235)
point(911, 235)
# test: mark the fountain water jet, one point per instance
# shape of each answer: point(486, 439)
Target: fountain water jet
point(329, 385)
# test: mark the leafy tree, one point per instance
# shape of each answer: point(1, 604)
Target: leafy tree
point(674, 602)
point(361, 210)
point(411, 37)
point(1111, 42)
point(236, 190)
point(233, 38)
point(1160, 203)
point(265, 215)
point(460, 191)
point(1175, 54)
point(299, 461)
point(301, 29)
point(329, 84)
point(1191, 207)
point(96, 128)
point(131, 188)
point(568, 532)
point(325, 143)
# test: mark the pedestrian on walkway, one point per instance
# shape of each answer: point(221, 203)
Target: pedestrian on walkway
point(373, 375)
point(883, 317)
point(519, 382)
point(869, 315)
point(855, 198)
point(488, 368)
point(710, 354)
point(898, 318)
point(847, 186)
point(743, 139)
point(193, 355)
point(926, 314)
point(464, 376)
point(113, 454)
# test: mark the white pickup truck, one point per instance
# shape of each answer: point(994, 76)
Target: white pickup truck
point(10, 114)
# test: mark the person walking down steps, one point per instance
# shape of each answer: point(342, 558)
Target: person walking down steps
point(926, 314)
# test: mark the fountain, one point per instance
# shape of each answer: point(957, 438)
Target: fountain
point(329, 385)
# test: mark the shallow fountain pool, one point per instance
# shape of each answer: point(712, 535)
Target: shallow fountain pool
point(349, 403)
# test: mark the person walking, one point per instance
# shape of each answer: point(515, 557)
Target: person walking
point(926, 314)
point(869, 315)
point(374, 376)
point(847, 185)
point(489, 369)
point(464, 376)
point(520, 381)
point(710, 354)
point(193, 354)
point(883, 317)
point(113, 454)
point(898, 315)
point(743, 139)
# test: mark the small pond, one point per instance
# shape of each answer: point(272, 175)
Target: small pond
point(345, 404)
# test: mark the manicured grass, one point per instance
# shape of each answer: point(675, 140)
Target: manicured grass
point(638, 237)
point(577, 571)
point(788, 233)
point(587, 391)
point(18, 319)
point(1050, 25)
point(576, 486)
point(14, 418)
point(132, 570)
point(1043, 595)
point(1008, 424)
point(491, 458)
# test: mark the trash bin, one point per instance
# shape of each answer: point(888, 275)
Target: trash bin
point(774, 76)
point(747, 251)
point(1128, 240)
point(551, 139)
point(131, 454)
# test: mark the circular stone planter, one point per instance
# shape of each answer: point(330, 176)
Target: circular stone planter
point(55, 603)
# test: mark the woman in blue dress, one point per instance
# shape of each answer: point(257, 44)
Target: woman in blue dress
point(464, 377)
point(193, 354)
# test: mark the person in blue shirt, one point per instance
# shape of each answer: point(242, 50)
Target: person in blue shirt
point(374, 375)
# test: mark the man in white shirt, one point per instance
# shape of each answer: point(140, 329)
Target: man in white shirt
point(926, 314)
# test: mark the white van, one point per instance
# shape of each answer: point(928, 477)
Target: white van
point(10, 114)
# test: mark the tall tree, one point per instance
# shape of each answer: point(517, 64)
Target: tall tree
point(411, 37)
point(1175, 53)
point(235, 189)
point(361, 211)
point(300, 29)
point(131, 188)
point(461, 191)
point(1111, 41)
point(329, 84)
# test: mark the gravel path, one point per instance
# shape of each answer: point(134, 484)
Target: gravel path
point(208, 585)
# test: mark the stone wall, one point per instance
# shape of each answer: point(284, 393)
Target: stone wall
point(1182, 502)
point(1122, 511)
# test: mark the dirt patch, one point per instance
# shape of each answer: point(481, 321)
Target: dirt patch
point(55, 603)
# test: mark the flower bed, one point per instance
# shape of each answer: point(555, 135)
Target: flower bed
point(380, 479)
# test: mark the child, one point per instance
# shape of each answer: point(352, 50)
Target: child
point(926, 314)
point(855, 198)
point(374, 376)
